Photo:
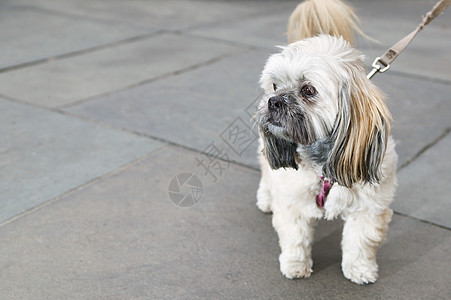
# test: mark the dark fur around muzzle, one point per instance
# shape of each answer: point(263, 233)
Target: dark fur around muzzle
point(279, 153)
point(285, 112)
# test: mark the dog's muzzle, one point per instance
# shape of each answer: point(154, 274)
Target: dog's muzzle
point(277, 102)
point(277, 108)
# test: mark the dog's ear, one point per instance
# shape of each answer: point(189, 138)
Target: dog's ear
point(360, 133)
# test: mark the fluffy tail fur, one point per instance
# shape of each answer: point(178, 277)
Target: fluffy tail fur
point(313, 17)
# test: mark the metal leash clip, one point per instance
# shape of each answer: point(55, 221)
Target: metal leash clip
point(377, 68)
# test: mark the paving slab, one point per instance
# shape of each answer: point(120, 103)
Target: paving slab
point(420, 112)
point(123, 238)
point(192, 109)
point(112, 231)
point(174, 15)
point(62, 82)
point(423, 183)
point(264, 31)
point(31, 34)
point(45, 154)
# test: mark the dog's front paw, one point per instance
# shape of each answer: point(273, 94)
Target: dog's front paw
point(361, 273)
point(264, 200)
point(295, 268)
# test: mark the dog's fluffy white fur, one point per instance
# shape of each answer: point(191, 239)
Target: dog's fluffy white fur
point(345, 134)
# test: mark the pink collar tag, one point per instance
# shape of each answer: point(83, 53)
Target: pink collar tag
point(321, 197)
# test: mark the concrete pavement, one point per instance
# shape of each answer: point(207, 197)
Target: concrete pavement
point(106, 107)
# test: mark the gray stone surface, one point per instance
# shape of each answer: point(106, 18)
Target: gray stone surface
point(264, 31)
point(420, 112)
point(45, 154)
point(174, 14)
point(133, 242)
point(34, 33)
point(92, 137)
point(423, 184)
point(191, 109)
point(65, 81)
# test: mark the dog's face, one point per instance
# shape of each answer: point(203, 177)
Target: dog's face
point(318, 102)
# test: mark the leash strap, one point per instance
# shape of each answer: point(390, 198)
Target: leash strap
point(382, 64)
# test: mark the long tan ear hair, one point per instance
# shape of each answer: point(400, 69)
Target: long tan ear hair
point(360, 134)
point(313, 17)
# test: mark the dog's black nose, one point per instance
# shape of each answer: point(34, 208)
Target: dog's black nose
point(275, 102)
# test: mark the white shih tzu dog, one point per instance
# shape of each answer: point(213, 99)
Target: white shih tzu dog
point(325, 150)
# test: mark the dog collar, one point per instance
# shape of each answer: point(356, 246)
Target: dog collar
point(327, 185)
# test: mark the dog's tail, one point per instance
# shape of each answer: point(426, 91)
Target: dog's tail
point(333, 17)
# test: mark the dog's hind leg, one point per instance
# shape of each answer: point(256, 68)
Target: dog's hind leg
point(362, 234)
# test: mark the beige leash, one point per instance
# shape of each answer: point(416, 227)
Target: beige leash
point(382, 64)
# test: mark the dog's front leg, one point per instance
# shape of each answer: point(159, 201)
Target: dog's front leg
point(362, 234)
point(295, 238)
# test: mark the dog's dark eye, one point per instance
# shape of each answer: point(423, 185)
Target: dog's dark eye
point(274, 86)
point(308, 91)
